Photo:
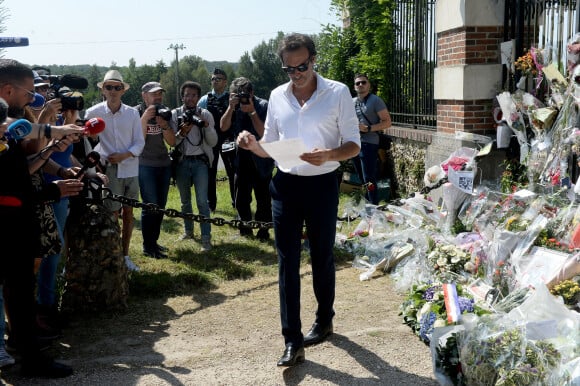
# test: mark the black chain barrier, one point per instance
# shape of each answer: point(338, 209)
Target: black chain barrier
point(218, 221)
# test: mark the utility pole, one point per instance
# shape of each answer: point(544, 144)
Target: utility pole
point(176, 47)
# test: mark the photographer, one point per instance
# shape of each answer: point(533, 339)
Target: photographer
point(248, 112)
point(154, 165)
point(196, 137)
point(216, 102)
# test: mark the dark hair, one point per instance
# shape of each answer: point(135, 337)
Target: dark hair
point(219, 71)
point(190, 84)
point(361, 76)
point(294, 42)
point(241, 83)
point(13, 71)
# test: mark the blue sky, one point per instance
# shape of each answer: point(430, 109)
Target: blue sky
point(104, 31)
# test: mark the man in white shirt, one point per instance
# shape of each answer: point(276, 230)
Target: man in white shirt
point(320, 112)
point(120, 145)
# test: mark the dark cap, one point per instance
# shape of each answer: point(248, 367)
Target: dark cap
point(152, 87)
point(219, 71)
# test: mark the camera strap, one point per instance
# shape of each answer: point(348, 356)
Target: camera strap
point(357, 107)
point(198, 111)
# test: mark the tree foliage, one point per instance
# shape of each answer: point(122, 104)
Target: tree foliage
point(365, 46)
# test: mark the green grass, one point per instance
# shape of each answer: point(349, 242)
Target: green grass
point(188, 269)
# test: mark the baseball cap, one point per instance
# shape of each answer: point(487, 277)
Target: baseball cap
point(152, 87)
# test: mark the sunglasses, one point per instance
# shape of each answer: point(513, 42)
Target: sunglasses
point(30, 93)
point(360, 82)
point(110, 87)
point(216, 79)
point(301, 68)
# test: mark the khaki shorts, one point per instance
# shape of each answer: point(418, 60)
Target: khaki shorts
point(127, 187)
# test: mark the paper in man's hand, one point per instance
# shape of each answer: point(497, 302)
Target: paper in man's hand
point(286, 152)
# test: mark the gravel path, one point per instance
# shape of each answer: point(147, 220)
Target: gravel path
point(231, 336)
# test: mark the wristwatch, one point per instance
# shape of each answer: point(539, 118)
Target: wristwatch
point(252, 113)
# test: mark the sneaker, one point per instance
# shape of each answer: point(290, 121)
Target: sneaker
point(5, 358)
point(205, 245)
point(186, 236)
point(130, 265)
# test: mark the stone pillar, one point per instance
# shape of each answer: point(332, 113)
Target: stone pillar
point(468, 74)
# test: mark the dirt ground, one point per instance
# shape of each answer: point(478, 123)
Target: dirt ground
point(231, 336)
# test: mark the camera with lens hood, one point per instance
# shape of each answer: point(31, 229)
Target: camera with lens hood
point(189, 118)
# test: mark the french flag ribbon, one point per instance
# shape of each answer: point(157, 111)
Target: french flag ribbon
point(451, 302)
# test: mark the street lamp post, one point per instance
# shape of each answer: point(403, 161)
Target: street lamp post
point(176, 47)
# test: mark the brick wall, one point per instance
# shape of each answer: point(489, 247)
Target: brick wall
point(470, 116)
point(469, 45)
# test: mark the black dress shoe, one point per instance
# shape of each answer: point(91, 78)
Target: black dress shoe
point(44, 367)
point(318, 333)
point(156, 254)
point(292, 355)
point(162, 248)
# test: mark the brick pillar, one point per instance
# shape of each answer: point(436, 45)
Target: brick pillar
point(468, 73)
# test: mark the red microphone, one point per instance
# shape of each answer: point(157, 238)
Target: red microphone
point(94, 126)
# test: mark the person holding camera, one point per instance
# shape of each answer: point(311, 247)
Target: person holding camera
point(154, 165)
point(195, 139)
point(216, 102)
point(247, 112)
point(119, 146)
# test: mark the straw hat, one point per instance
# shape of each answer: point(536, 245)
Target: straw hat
point(113, 76)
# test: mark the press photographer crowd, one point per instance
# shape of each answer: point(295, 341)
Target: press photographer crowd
point(64, 162)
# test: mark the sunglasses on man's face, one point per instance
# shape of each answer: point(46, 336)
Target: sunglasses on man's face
point(301, 68)
point(360, 82)
point(216, 79)
point(110, 87)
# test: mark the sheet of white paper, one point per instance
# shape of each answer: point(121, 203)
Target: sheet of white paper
point(286, 152)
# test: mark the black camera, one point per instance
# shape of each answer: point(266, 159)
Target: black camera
point(189, 118)
point(244, 97)
point(60, 87)
point(163, 112)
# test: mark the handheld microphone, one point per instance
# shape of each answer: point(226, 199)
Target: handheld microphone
point(92, 160)
point(38, 101)
point(13, 42)
point(94, 126)
point(18, 129)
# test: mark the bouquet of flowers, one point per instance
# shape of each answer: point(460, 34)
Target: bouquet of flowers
point(448, 260)
point(515, 121)
point(497, 353)
point(424, 308)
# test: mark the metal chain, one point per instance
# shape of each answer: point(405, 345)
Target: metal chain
point(218, 221)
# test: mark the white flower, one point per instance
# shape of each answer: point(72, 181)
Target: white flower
point(442, 261)
point(424, 310)
point(455, 259)
point(439, 323)
point(469, 267)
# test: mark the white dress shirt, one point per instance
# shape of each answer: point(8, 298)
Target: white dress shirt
point(122, 133)
point(325, 121)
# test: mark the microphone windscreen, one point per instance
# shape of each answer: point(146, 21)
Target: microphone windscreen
point(18, 129)
point(93, 159)
point(74, 81)
point(38, 101)
point(94, 126)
